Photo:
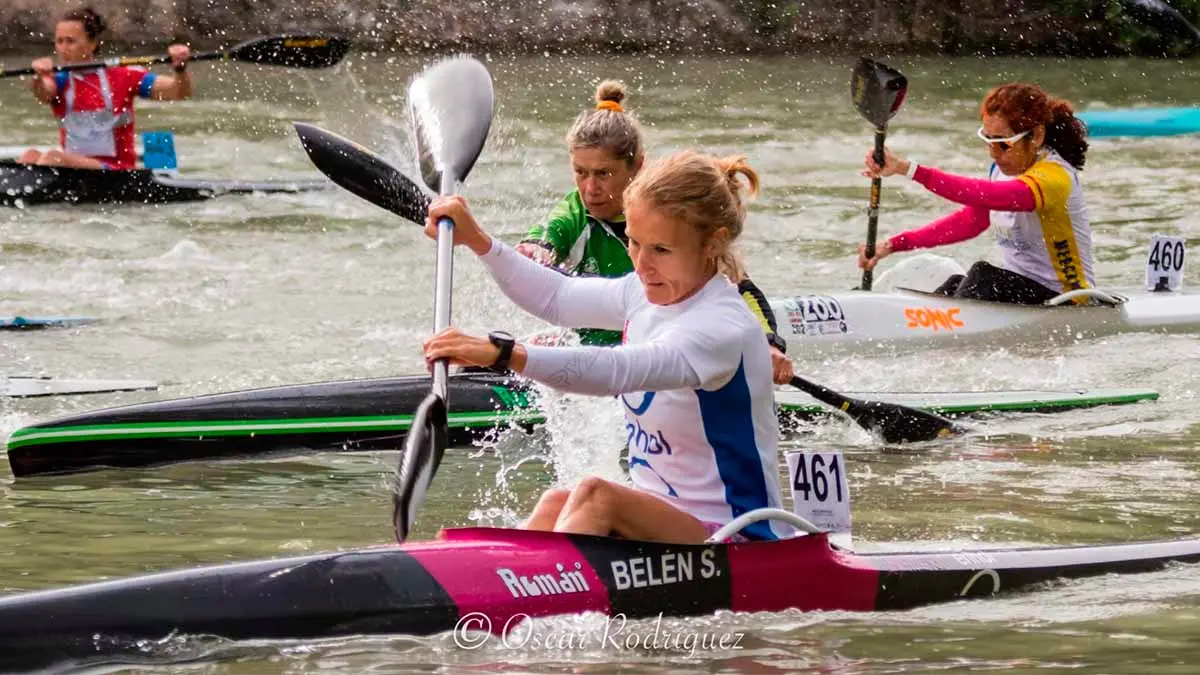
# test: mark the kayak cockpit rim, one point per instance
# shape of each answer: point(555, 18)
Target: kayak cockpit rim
point(803, 526)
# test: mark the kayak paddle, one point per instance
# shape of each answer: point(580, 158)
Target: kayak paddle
point(292, 51)
point(364, 173)
point(895, 423)
point(877, 91)
point(1163, 18)
point(450, 107)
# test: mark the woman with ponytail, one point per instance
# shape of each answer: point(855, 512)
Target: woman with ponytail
point(693, 371)
point(584, 234)
point(1032, 198)
point(95, 107)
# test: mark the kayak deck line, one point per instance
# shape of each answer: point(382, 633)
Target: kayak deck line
point(501, 576)
point(23, 185)
point(358, 415)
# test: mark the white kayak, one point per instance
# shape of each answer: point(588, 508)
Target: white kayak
point(24, 387)
point(895, 317)
point(904, 319)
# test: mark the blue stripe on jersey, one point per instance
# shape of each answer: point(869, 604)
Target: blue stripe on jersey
point(727, 416)
point(147, 84)
point(60, 81)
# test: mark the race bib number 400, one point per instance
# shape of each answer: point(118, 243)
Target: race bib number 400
point(815, 315)
point(1164, 266)
point(819, 489)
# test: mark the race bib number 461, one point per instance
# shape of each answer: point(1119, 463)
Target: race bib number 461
point(819, 489)
point(1164, 266)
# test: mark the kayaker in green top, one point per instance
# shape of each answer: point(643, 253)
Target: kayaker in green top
point(584, 234)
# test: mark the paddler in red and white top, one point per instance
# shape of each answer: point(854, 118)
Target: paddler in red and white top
point(1032, 199)
point(693, 372)
point(95, 107)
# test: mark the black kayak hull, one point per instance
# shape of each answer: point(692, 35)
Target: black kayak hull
point(23, 185)
point(375, 414)
point(368, 414)
point(504, 576)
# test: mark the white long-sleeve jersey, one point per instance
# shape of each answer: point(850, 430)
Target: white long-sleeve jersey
point(694, 376)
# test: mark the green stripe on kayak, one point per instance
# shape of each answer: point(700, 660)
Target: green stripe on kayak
point(789, 402)
point(224, 428)
point(959, 403)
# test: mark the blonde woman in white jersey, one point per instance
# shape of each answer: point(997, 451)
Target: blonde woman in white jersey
point(1032, 199)
point(693, 370)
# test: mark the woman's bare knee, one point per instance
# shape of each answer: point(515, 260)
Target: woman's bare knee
point(545, 513)
point(554, 497)
point(592, 489)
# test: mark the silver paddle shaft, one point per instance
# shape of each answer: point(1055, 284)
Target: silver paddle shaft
point(441, 303)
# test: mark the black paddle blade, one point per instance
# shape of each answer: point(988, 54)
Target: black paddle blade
point(1161, 17)
point(451, 106)
point(423, 450)
point(364, 173)
point(292, 51)
point(877, 90)
point(897, 423)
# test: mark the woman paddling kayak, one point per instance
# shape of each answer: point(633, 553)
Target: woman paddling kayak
point(692, 370)
point(584, 234)
point(95, 107)
point(1032, 197)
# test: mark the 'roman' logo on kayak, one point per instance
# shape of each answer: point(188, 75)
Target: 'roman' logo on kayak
point(562, 582)
point(661, 570)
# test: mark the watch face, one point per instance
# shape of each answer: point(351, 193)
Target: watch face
point(501, 335)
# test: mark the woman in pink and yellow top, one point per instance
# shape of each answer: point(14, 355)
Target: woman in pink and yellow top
point(1032, 198)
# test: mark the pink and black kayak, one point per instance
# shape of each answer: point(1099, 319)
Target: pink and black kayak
point(506, 575)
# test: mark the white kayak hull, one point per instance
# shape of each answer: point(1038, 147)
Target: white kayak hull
point(900, 320)
point(25, 387)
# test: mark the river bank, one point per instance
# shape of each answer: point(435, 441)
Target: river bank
point(983, 27)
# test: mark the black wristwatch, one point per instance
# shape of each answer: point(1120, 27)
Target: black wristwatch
point(505, 342)
point(777, 342)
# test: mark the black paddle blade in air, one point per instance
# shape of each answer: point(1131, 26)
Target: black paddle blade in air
point(423, 450)
point(894, 423)
point(450, 106)
point(292, 51)
point(364, 173)
point(878, 91)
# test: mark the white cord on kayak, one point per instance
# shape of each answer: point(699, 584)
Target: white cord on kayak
point(734, 526)
point(1091, 293)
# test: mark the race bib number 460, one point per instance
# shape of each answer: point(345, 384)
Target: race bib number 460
point(1164, 266)
point(819, 489)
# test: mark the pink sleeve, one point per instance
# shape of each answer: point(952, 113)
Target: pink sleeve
point(966, 223)
point(998, 195)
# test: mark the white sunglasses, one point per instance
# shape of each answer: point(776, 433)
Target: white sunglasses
point(1004, 143)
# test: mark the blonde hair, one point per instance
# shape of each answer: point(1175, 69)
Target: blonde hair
point(608, 125)
point(703, 191)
